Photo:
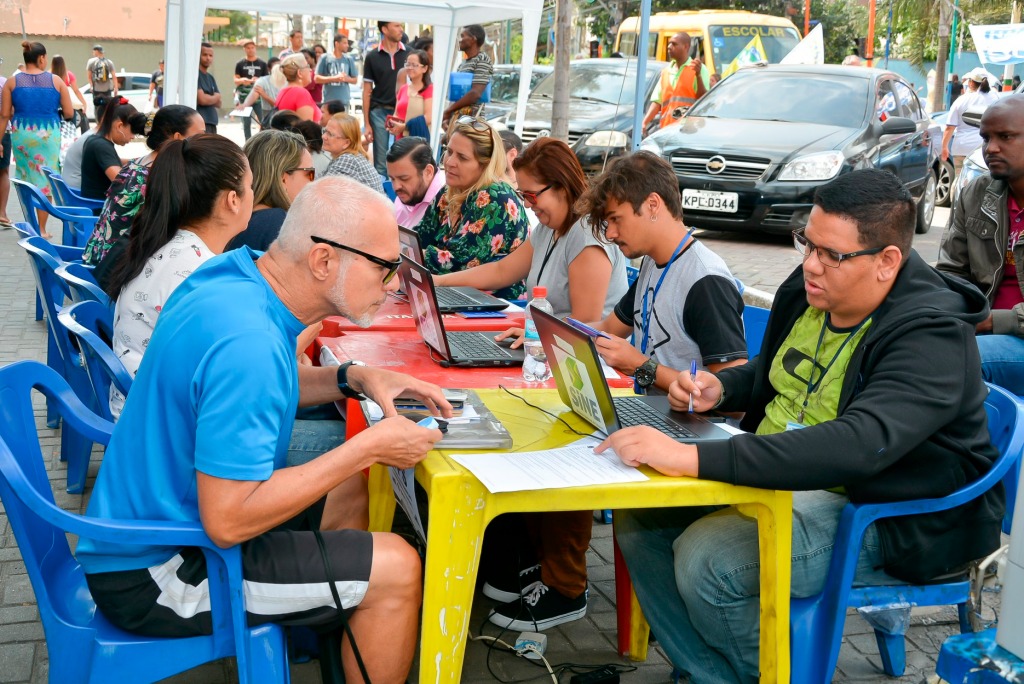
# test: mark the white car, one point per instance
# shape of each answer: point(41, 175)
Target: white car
point(131, 85)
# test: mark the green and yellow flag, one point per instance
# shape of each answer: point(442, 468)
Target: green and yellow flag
point(753, 53)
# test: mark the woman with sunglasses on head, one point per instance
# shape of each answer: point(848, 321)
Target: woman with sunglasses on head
point(414, 99)
point(343, 140)
point(281, 166)
point(294, 96)
point(127, 191)
point(100, 161)
point(198, 197)
point(477, 218)
point(585, 279)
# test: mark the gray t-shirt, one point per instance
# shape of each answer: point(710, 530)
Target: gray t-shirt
point(551, 259)
point(330, 65)
point(698, 313)
point(72, 167)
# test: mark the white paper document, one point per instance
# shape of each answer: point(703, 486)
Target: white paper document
point(404, 484)
point(242, 113)
point(574, 465)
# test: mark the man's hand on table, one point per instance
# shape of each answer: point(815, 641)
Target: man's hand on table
point(644, 445)
point(383, 386)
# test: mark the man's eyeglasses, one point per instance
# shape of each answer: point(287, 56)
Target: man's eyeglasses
point(309, 170)
point(391, 266)
point(474, 123)
point(531, 197)
point(827, 257)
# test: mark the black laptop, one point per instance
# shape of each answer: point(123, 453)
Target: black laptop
point(471, 349)
point(583, 387)
point(449, 299)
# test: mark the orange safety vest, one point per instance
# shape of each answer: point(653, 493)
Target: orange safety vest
point(682, 94)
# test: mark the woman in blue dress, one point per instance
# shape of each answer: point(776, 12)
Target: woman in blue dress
point(34, 101)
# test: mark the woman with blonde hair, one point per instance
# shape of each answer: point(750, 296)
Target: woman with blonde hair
point(478, 217)
point(343, 140)
point(294, 96)
point(281, 166)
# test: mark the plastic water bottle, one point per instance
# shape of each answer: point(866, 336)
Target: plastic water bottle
point(535, 364)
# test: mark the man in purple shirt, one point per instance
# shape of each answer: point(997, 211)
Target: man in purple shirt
point(415, 179)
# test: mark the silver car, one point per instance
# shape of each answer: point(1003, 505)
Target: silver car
point(131, 85)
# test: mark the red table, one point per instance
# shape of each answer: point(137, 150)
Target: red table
point(397, 315)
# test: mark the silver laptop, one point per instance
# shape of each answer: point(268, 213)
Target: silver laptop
point(583, 387)
point(449, 299)
point(469, 349)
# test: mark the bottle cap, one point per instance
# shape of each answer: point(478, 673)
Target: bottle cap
point(540, 291)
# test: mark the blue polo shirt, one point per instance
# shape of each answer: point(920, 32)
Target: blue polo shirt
point(216, 392)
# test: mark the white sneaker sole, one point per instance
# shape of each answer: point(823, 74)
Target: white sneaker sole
point(517, 625)
point(498, 594)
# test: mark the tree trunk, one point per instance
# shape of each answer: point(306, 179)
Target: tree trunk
point(938, 90)
point(563, 53)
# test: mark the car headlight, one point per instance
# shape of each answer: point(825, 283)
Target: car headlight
point(606, 139)
point(651, 146)
point(813, 167)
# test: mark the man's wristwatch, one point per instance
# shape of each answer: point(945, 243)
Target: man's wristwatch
point(646, 373)
point(343, 385)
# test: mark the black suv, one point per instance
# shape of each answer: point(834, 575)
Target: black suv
point(751, 152)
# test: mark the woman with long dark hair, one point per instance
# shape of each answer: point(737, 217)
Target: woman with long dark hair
point(198, 197)
point(127, 191)
point(416, 98)
point(100, 161)
point(69, 130)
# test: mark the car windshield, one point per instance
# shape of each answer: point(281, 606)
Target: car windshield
point(728, 41)
point(756, 94)
point(505, 85)
point(610, 82)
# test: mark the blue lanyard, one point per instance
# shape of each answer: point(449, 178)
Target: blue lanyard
point(813, 386)
point(645, 320)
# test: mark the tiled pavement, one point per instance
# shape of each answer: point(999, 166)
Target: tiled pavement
point(760, 262)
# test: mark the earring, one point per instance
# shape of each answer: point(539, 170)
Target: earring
point(654, 218)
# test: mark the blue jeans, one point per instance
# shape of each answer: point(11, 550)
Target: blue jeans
point(378, 115)
point(1002, 361)
point(696, 573)
point(312, 438)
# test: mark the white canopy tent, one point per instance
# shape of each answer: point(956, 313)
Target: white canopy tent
point(185, 32)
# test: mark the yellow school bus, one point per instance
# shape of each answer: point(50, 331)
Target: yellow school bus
point(718, 35)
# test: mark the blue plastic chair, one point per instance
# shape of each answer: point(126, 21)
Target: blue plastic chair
point(67, 196)
point(81, 285)
point(755, 322)
point(61, 355)
point(83, 645)
point(78, 223)
point(92, 326)
point(978, 659)
point(632, 273)
point(816, 622)
point(389, 189)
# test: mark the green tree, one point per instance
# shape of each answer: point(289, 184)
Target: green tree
point(240, 26)
point(842, 23)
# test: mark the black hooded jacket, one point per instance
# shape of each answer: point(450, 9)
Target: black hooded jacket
point(911, 422)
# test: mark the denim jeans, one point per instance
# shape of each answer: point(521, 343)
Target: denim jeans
point(1002, 361)
point(378, 116)
point(257, 111)
point(311, 438)
point(696, 575)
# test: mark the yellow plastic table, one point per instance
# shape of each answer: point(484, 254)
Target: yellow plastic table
point(460, 509)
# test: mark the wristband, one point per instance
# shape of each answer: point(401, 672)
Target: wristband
point(721, 398)
point(346, 389)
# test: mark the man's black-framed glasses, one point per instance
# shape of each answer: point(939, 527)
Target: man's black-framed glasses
point(531, 197)
point(391, 266)
point(827, 257)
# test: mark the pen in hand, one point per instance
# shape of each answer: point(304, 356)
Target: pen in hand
point(693, 376)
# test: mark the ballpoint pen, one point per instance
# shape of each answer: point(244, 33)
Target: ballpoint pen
point(693, 377)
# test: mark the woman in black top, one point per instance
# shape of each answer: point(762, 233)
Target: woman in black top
point(100, 162)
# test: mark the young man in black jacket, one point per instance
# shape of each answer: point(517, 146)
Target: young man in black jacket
point(868, 389)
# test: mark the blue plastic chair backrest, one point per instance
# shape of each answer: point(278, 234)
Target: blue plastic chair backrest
point(55, 190)
point(389, 189)
point(28, 197)
point(67, 196)
point(92, 325)
point(49, 287)
point(25, 229)
point(82, 285)
point(79, 222)
point(632, 273)
point(755, 322)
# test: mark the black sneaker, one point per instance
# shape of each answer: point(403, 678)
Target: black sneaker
point(540, 608)
point(511, 587)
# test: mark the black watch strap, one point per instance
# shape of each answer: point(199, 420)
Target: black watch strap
point(343, 385)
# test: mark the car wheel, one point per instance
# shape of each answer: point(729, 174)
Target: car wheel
point(926, 206)
point(944, 185)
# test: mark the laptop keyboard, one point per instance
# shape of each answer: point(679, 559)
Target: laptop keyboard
point(475, 346)
point(451, 298)
point(633, 411)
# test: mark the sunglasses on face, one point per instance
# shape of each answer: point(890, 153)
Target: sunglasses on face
point(390, 266)
point(308, 170)
point(531, 197)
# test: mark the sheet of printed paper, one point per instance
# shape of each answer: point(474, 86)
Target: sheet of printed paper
point(404, 484)
point(574, 465)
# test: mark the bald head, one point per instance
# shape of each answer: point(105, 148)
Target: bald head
point(1002, 134)
point(678, 47)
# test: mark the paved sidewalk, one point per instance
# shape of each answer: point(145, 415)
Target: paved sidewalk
point(759, 262)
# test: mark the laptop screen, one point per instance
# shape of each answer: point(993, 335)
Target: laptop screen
point(409, 243)
point(419, 288)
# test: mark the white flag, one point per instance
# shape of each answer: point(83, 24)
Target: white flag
point(810, 50)
point(1001, 44)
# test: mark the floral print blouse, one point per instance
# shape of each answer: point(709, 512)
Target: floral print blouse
point(124, 199)
point(493, 224)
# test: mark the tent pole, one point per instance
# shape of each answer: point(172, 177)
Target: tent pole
point(639, 95)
